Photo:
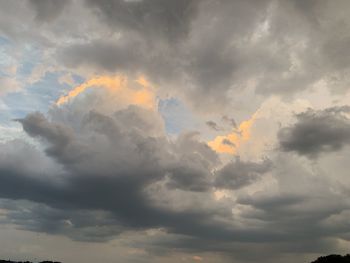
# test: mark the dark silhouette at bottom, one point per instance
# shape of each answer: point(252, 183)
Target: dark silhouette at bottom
point(333, 259)
point(9, 261)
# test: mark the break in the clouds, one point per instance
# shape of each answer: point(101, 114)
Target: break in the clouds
point(159, 131)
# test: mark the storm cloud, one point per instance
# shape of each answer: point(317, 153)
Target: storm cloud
point(317, 131)
point(238, 174)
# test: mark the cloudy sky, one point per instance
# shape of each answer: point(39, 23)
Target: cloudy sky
point(174, 131)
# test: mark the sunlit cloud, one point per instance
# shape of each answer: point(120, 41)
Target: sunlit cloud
point(229, 143)
point(135, 92)
point(197, 258)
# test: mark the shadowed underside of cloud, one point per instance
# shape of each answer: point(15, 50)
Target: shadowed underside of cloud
point(110, 167)
point(47, 11)
point(237, 174)
point(117, 172)
point(317, 131)
point(104, 166)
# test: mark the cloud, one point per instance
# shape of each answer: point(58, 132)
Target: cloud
point(184, 54)
point(47, 11)
point(58, 135)
point(105, 173)
point(230, 121)
point(142, 95)
point(128, 176)
point(197, 258)
point(152, 19)
point(317, 131)
point(238, 174)
point(230, 142)
point(193, 170)
point(213, 125)
point(9, 84)
point(85, 226)
point(106, 163)
point(207, 52)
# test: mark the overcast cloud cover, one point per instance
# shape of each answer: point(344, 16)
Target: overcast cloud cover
point(174, 131)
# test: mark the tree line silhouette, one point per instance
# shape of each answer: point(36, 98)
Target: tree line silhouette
point(9, 261)
point(333, 259)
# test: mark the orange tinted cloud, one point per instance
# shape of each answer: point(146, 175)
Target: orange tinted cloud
point(229, 143)
point(197, 258)
point(139, 92)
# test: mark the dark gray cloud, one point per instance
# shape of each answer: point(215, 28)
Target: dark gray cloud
point(317, 131)
point(129, 177)
point(208, 51)
point(192, 169)
point(59, 137)
point(47, 11)
point(313, 211)
point(98, 175)
point(228, 142)
point(80, 225)
point(237, 174)
point(216, 47)
point(213, 125)
point(74, 195)
point(106, 55)
point(116, 159)
point(152, 18)
point(230, 121)
point(200, 64)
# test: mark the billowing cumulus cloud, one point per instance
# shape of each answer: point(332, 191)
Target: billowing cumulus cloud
point(319, 131)
point(238, 174)
point(106, 164)
point(117, 171)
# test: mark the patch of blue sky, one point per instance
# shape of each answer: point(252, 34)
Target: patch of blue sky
point(78, 79)
point(9, 129)
point(177, 117)
point(48, 89)
point(4, 40)
point(5, 58)
point(31, 57)
point(38, 96)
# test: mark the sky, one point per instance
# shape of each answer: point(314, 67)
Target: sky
point(209, 131)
